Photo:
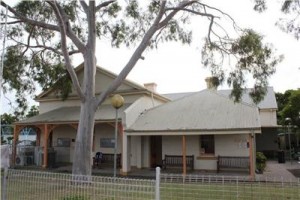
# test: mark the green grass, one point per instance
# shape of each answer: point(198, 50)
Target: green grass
point(36, 185)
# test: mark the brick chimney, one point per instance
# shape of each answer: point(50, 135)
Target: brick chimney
point(212, 82)
point(150, 86)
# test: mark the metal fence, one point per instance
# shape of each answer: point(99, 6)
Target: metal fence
point(23, 185)
point(192, 187)
point(28, 185)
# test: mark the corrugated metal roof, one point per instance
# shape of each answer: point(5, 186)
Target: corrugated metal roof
point(71, 114)
point(205, 110)
point(269, 101)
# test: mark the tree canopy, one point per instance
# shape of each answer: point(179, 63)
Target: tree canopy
point(289, 107)
point(291, 9)
point(43, 36)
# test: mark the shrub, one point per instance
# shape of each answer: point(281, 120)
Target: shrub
point(260, 161)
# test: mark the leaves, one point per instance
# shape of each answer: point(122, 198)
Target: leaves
point(291, 107)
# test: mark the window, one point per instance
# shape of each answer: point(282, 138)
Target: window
point(63, 142)
point(107, 142)
point(207, 144)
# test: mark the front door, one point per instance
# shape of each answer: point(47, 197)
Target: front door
point(155, 151)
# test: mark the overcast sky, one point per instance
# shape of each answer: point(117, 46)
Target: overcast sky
point(177, 68)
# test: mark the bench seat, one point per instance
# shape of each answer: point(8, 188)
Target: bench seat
point(177, 161)
point(242, 162)
point(107, 159)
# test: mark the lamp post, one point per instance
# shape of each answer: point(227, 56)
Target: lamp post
point(289, 135)
point(117, 101)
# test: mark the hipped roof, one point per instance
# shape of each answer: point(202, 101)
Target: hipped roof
point(268, 102)
point(203, 111)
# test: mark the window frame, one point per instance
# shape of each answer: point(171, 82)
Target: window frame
point(207, 140)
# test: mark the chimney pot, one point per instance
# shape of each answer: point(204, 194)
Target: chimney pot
point(212, 82)
point(150, 86)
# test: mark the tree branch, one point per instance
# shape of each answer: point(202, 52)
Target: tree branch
point(14, 22)
point(65, 52)
point(134, 58)
point(104, 4)
point(69, 31)
point(30, 21)
point(84, 6)
point(174, 12)
point(28, 41)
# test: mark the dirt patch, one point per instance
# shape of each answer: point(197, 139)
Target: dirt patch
point(295, 172)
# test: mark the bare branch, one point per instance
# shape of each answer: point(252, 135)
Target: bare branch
point(134, 58)
point(65, 51)
point(104, 4)
point(14, 22)
point(28, 41)
point(174, 12)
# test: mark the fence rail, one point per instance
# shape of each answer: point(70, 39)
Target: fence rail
point(22, 184)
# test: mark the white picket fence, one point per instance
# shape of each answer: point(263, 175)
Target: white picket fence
point(28, 185)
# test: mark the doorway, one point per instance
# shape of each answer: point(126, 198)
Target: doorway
point(155, 151)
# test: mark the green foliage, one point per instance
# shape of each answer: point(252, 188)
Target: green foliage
point(290, 23)
point(8, 119)
point(252, 57)
point(291, 108)
point(261, 160)
point(34, 110)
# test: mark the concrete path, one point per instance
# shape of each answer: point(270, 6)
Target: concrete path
point(279, 171)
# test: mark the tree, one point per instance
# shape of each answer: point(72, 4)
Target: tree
point(54, 31)
point(291, 8)
point(291, 107)
point(34, 110)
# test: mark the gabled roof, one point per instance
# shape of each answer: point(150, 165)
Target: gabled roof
point(135, 87)
point(269, 101)
point(202, 111)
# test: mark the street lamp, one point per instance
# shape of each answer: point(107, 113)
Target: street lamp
point(289, 135)
point(117, 101)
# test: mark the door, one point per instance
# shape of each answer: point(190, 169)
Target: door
point(155, 151)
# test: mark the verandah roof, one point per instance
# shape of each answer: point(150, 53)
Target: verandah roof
point(72, 114)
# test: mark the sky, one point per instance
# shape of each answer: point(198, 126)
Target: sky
point(177, 68)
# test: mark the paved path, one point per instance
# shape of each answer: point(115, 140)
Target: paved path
point(279, 171)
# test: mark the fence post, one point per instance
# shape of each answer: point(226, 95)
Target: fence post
point(4, 184)
point(157, 184)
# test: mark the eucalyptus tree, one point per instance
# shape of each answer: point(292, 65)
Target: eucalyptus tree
point(43, 36)
point(291, 22)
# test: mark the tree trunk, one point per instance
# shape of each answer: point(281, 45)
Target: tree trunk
point(83, 146)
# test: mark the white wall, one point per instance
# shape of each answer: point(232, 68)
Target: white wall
point(268, 117)
point(140, 105)
point(64, 154)
point(231, 145)
point(106, 131)
point(225, 145)
point(51, 105)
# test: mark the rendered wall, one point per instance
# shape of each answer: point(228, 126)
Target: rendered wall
point(64, 154)
point(106, 131)
point(268, 118)
point(225, 145)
